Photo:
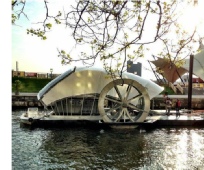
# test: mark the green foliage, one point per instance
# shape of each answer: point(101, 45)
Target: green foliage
point(49, 25)
point(168, 90)
point(29, 84)
point(14, 18)
point(57, 21)
point(17, 85)
point(38, 32)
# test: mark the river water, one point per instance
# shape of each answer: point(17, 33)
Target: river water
point(85, 148)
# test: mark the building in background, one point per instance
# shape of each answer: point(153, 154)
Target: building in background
point(18, 73)
point(196, 81)
point(134, 68)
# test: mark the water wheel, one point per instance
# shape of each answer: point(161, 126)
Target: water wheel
point(124, 100)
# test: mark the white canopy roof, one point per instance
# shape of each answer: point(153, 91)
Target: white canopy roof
point(87, 80)
point(198, 64)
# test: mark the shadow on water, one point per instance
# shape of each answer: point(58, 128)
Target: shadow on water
point(90, 148)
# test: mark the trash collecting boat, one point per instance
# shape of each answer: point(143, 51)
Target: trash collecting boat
point(89, 94)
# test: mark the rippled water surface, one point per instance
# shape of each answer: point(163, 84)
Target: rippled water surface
point(83, 148)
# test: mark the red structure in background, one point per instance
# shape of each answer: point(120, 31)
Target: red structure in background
point(197, 80)
point(30, 74)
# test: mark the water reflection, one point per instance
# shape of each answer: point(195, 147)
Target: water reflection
point(189, 147)
point(81, 148)
point(179, 149)
point(96, 149)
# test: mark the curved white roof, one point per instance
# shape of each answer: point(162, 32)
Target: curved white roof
point(87, 80)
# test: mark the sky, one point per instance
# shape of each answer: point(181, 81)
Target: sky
point(32, 53)
point(36, 55)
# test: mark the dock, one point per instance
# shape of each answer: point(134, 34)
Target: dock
point(193, 118)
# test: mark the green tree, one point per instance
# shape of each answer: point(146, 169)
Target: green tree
point(117, 31)
point(17, 86)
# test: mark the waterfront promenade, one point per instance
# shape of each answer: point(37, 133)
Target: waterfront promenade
point(193, 118)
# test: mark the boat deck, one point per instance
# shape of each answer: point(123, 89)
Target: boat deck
point(157, 120)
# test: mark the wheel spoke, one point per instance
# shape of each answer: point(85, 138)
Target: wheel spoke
point(135, 108)
point(135, 97)
point(114, 108)
point(128, 115)
point(113, 100)
point(128, 90)
point(118, 92)
point(120, 115)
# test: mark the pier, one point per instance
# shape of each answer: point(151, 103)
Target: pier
point(25, 100)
